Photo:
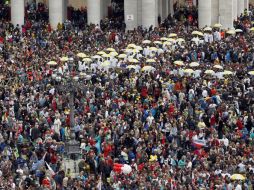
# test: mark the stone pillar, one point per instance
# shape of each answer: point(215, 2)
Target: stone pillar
point(139, 14)
point(94, 11)
point(235, 4)
point(106, 4)
point(204, 13)
point(246, 4)
point(149, 13)
point(17, 12)
point(160, 8)
point(194, 3)
point(131, 14)
point(164, 9)
point(171, 7)
point(57, 12)
point(214, 12)
point(226, 13)
point(240, 7)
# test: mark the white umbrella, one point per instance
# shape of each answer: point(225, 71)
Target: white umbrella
point(208, 29)
point(194, 64)
point(218, 66)
point(146, 42)
point(148, 68)
point(238, 30)
point(52, 63)
point(209, 72)
point(96, 57)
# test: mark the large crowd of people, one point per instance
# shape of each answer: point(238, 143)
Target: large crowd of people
point(156, 108)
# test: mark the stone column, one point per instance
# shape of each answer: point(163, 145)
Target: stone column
point(160, 8)
point(240, 7)
point(94, 11)
point(214, 12)
point(171, 7)
point(139, 8)
point(194, 3)
point(131, 14)
point(17, 12)
point(204, 13)
point(235, 4)
point(164, 9)
point(149, 13)
point(106, 4)
point(226, 13)
point(57, 12)
point(246, 4)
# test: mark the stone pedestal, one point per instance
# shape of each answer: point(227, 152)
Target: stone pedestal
point(57, 12)
point(94, 11)
point(17, 12)
point(131, 14)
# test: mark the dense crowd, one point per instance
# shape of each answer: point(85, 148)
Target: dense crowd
point(172, 106)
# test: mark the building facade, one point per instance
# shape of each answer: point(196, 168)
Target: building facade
point(138, 12)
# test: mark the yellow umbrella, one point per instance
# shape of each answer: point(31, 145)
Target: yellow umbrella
point(148, 68)
point(217, 25)
point(150, 61)
point(180, 63)
point(122, 56)
point(63, 59)
point(218, 66)
point(195, 32)
point(164, 39)
point(231, 32)
point(131, 67)
point(180, 40)
point(113, 53)
point(105, 64)
point(194, 64)
point(87, 60)
point(81, 55)
point(146, 42)
point(106, 55)
point(157, 42)
point(133, 61)
point(189, 71)
point(128, 50)
point(209, 72)
point(110, 49)
point(226, 72)
point(101, 53)
point(208, 29)
point(172, 35)
point(251, 73)
point(237, 177)
point(167, 43)
point(135, 51)
point(131, 46)
point(153, 48)
point(252, 29)
point(52, 63)
point(96, 57)
point(171, 40)
point(139, 48)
